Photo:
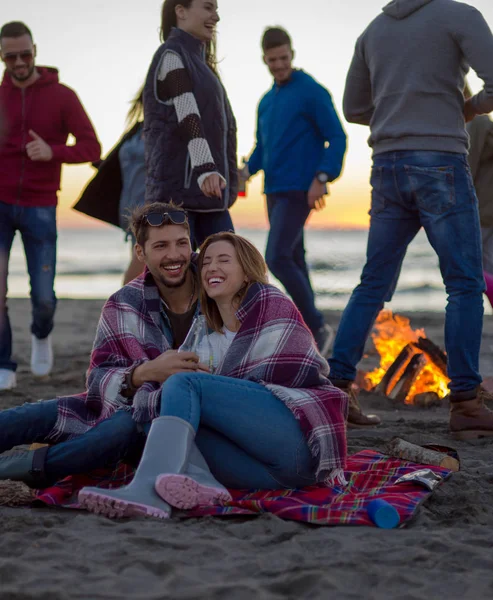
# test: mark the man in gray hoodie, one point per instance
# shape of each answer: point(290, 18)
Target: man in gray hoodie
point(406, 82)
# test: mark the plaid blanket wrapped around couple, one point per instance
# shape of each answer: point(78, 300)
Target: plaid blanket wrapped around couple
point(129, 332)
point(274, 347)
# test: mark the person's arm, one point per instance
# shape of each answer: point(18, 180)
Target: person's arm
point(358, 100)
point(87, 147)
point(174, 86)
point(478, 132)
point(327, 122)
point(475, 39)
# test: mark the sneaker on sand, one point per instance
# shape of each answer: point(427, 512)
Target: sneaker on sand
point(41, 356)
point(324, 338)
point(7, 380)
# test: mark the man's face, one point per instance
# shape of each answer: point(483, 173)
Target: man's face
point(279, 61)
point(19, 55)
point(167, 254)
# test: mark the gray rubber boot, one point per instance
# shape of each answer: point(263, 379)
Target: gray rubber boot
point(27, 466)
point(166, 450)
point(195, 486)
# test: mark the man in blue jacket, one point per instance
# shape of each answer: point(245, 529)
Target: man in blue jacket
point(300, 147)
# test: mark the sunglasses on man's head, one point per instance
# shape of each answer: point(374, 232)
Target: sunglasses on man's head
point(11, 57)
point(156, 219)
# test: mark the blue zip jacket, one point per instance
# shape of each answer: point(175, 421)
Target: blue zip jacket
point(298, 135)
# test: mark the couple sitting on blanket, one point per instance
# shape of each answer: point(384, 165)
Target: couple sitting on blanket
point(267, 418)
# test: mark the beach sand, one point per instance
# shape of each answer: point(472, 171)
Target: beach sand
point(48, 554)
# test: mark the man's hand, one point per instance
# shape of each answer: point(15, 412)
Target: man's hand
point(165, 365)
point(316, 193)
point(469, 112)
point(38, 150)
point(213, 186)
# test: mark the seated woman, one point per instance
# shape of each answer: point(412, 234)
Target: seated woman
point(267, 418)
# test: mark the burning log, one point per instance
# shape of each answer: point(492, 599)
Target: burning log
point(399, 448)
point(427, 400)
point(403, 386)
point(395, 371)
point(433, 353)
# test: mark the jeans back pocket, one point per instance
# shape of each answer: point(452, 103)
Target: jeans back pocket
point(433, 188)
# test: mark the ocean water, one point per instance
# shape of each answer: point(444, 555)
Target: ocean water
point(91, 263)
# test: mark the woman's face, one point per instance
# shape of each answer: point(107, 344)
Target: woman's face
point(222, 275)
point(199, 19)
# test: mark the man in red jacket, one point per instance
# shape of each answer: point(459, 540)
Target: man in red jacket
point(40, 113)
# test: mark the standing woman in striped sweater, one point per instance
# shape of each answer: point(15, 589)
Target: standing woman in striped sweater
point(189, 127)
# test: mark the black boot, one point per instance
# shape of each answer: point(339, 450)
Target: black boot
point(27, 466)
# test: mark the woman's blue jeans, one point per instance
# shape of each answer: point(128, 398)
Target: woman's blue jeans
point(248, 437)
point(410, 190)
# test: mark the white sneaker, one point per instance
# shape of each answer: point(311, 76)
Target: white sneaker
point(7, 380)
point(41, 356)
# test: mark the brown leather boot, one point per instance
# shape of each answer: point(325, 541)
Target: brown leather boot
point(470, 419)
point(356, 418)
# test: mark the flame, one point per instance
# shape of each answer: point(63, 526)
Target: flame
point(391, 334)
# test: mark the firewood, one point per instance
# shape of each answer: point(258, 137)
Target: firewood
point(399, 448)
point(394, 372)
point(433, 353)
point(405, 383)
point(427, 400)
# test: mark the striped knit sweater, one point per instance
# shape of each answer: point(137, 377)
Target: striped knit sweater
point(174, 87)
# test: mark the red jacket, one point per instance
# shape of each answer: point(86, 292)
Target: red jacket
point(53, 111)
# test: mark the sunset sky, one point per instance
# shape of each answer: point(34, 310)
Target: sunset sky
point(103, 50)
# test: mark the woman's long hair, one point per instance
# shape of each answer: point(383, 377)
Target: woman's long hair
point(136, 111)
point(169, 20)
point(252, 263)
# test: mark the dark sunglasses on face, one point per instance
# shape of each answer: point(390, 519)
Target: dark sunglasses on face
point(11, 58)
point(156, 219)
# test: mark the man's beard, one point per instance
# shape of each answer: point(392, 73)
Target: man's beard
point(174, 284)
point(24, 77)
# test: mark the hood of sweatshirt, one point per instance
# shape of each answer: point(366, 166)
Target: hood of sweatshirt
point(48, 76)
point(401, 9)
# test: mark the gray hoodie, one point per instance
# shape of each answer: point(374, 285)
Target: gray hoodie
point(406, 79)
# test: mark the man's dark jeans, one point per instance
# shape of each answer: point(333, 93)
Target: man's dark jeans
point(102, 446)
point(285, 252)
point(411, 190)
point(37, 226)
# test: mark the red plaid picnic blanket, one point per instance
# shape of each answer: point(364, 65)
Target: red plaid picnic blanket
point(369, 474)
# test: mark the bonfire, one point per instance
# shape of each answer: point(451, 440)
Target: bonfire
point(407, 352)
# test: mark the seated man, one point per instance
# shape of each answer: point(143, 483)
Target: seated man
point(140, 328)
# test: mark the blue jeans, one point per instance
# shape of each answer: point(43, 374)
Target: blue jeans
point(411, 190)
point(102, 446)
point(248, 437)
point(37, 226)
point(202, 225)
point(285, 252)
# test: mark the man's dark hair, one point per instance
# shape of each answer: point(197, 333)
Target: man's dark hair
point(274, 37)
point(140, 227)
point(15, 29)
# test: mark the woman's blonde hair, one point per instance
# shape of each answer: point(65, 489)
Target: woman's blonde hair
point(252, 263)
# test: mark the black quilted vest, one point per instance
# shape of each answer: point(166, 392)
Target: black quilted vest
point(169, 175)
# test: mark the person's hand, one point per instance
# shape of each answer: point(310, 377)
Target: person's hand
point(469, 111)
point(243, 173)
point(316, 195)
point(38, 149)
point(213, 186)
point(167, 364)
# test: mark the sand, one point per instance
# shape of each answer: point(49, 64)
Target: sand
point(51, 554)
